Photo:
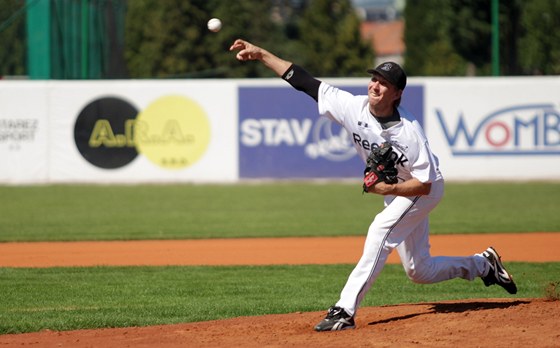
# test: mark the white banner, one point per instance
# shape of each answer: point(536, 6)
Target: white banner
point(143, 131)
point(495, 128)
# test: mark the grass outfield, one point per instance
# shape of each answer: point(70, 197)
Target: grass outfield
point(78, 298)
point(96, 297)
point(116, 212)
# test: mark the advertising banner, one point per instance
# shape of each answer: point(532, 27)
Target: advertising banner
point(495, 128)
point(164, 131)
point(143, 131)
point(283, 136)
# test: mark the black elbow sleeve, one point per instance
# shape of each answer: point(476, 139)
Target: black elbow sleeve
point(301, 80)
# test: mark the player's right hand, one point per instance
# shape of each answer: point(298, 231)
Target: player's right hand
point(247, 51)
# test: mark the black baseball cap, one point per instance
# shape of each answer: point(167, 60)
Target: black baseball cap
point(392, 72)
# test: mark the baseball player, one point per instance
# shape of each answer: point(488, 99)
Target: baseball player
point(371, 120)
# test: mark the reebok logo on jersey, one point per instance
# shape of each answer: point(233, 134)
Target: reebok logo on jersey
point(366, 144)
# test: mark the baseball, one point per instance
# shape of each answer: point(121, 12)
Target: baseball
point(214, 25)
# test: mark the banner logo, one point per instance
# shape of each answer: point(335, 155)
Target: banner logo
point(513, 131)
point(330, 141)
point(103, 133)
point(322, 139)
point(173, 132)
point(15, 132)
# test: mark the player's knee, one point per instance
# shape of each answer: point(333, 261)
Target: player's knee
point(418, 276)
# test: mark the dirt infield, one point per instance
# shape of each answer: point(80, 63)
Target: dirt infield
point(531, 247)
point(497, 323)
point(487, 323)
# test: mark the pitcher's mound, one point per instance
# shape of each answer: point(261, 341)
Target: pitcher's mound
point(473, 323)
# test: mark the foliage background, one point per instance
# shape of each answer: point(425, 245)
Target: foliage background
point(169, 39)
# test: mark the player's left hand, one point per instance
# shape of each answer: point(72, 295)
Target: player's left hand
point(380, 167)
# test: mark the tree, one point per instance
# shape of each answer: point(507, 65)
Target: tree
point(12, 36)
point(453, 38)
point(510, 27)
point(245, 19)
point(169, 38)
point(330, 40)
point(429, 50)
point(471, 34)
point(164, 38)
point(539, 47)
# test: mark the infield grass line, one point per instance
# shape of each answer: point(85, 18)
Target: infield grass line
point(140, 212)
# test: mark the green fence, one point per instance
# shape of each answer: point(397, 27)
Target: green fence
point(75, 39)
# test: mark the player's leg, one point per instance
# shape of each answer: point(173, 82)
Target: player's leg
point(389, 228)
point(422, 268)
point(375, 253)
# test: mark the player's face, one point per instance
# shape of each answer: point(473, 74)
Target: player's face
point(382, 95)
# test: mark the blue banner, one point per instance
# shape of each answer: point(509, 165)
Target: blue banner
point(283, 136)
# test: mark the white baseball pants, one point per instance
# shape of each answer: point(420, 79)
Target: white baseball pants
point(403, 225)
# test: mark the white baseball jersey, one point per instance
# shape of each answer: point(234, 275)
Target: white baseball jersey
point(409, 142)
point(403, 223)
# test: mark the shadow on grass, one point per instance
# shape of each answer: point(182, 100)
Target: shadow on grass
point(453, 307)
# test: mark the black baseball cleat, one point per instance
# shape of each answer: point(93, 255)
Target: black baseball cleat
point(498, 273)
point(336, 319)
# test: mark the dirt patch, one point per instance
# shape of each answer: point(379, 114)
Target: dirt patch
point(490, 323)
point(530, 247)
point(494, 322)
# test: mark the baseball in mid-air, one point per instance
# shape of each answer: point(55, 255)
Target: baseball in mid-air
point(214, 25)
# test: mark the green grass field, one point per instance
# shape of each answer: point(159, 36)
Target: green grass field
point(74, 298)
point(72, 212)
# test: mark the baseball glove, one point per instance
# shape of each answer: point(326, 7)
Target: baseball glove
point(380, 166)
